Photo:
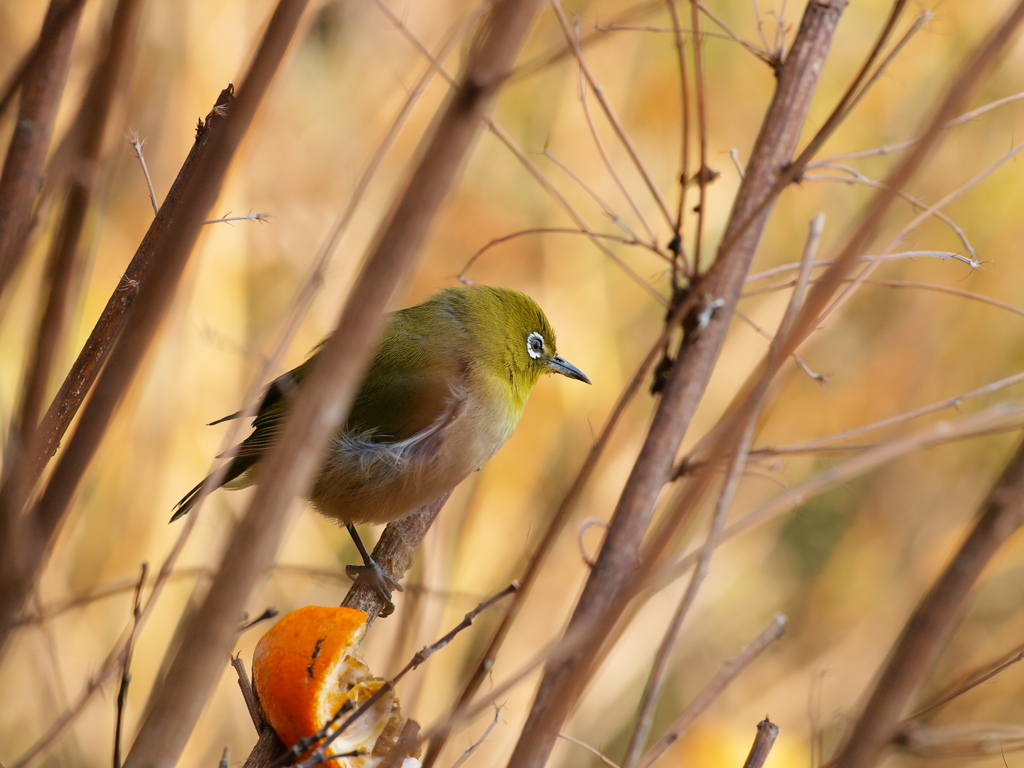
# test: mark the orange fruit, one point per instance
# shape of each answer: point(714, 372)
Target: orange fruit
point(305, 669)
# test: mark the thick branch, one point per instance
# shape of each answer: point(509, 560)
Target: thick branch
point(289, 468)
point(605, 594)
point(86, 136)
point(932, 622)
point(41, 90)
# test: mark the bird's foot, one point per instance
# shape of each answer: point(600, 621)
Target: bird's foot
point(371, 575)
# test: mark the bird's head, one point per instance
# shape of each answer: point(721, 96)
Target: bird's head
point(515, 337)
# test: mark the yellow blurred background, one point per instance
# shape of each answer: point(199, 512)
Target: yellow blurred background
point(846, 567)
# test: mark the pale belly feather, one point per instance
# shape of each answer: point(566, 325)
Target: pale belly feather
point(375, 483)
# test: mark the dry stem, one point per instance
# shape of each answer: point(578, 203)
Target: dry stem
point(604, 597)
point(41, 86)
point(331, 385)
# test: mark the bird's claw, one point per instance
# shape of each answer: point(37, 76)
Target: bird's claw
point(372, 575)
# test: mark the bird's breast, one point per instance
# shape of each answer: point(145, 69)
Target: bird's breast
point(364, 481)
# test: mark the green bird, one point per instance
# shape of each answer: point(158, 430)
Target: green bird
point(443, 392)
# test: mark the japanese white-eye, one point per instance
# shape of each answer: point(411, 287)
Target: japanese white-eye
point(444, 390)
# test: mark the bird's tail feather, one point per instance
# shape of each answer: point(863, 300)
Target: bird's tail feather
point(235, 469)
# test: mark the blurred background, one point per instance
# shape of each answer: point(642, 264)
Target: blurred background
point(846, 566)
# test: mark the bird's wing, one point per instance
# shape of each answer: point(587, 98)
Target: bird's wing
point(270, 415)
point(278, 389)
point(412, 384)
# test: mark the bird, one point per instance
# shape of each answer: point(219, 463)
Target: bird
point(444, 390)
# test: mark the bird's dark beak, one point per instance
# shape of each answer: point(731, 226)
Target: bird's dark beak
point(557, 364)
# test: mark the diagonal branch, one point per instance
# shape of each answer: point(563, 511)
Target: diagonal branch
point(41, 86)
point(933, 620)
point(289, 468)
point(605, 595)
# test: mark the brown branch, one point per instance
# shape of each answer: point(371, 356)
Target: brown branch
point(27, 538)
point(703, 172)
point(606, 594)
point(289, 468)
point(408, 740)
point(678, 247)
point(41, 48)
point(856, 90)
point(126, 665)
point(252, 701)
point(41, 88)
point(933, 620)
point(88, 131)
point(418, 659)
point(715, 686)
point(28, 464)
point(538, 557)
point(767, 732)
point(984, 55)
point(394, 554)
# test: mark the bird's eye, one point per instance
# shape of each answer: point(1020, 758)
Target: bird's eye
point(535, 345)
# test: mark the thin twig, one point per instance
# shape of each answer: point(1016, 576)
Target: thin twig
point(771, 58)
point(603, 758)
point(854, 177)
point(581, 93)
point(890, 148)
point(849, 434)
point(472, 748)
point(620, 131)
point(542, 61)
point(227, 219)
point(252, 702)
point(973, 680)
point(901, 256)
point(540, 553)
point(592, 193)
point(528, 164)
point(679, 269)
point(683, 31)
point(703, 172)
point(328, 734)
point(462, 276)
point(137, 145)
point(933, 619)
point(122, 690)
point(714, 688)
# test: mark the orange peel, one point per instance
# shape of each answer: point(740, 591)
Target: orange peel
point(305, 669)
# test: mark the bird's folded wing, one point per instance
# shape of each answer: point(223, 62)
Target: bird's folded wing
point(401, 396)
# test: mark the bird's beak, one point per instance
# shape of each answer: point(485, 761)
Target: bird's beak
point(557, 364)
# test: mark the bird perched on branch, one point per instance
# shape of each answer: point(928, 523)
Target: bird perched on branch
point(442, 393)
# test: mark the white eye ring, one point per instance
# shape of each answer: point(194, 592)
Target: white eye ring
point(535, 345)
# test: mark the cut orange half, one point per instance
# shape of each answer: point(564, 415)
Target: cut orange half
point(305, 670)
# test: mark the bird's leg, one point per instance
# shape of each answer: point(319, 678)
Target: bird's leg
point(370, 572)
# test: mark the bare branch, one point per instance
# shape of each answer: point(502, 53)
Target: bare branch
point(607, 590)
point(714, 688)
point(767, 732)
point(137, 145)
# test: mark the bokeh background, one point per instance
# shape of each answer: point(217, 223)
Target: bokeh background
point(846, 566)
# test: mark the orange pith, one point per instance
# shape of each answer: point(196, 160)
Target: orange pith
point(304, 669)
